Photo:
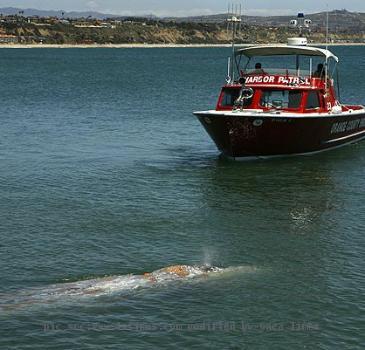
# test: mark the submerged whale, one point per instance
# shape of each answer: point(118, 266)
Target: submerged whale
point(110, 285)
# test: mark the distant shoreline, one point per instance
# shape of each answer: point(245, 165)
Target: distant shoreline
point(147, 46)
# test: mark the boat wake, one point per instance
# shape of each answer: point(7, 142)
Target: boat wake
point(112, 285)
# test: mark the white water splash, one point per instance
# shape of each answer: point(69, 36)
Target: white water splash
point(209, 256)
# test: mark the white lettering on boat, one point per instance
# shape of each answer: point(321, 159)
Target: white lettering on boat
point(348, 126)
point(277, 80)
point(257, 79)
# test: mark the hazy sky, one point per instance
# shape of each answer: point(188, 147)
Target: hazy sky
point(186, 7)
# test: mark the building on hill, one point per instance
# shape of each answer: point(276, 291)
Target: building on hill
point(8, 39)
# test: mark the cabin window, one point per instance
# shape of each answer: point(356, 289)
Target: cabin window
point(281, 99)
point(230, 96)
point(313, 100)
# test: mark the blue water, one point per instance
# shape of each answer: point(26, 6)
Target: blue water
point(106, 172)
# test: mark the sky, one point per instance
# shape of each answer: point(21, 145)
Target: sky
point(187, 7)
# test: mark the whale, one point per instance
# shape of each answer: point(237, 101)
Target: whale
point(111, 285)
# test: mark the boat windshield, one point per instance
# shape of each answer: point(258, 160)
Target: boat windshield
point(281, 99)
point(290, 65)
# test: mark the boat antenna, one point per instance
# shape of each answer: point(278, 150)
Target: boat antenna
point(234, 20)
point(228, 13)
point(327, 34)
point(327, 27)
point(240, 18)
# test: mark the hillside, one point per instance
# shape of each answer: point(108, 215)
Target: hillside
point(345, 27)
point(338, 18)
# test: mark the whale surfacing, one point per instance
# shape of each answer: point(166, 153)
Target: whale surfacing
point(108, 285)
point(180, 272)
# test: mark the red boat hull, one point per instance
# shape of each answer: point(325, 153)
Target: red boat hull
point(239, 136)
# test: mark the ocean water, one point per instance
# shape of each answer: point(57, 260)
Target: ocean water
point(106, 174)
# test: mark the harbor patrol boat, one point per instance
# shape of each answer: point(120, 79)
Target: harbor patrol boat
point(264, 111)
